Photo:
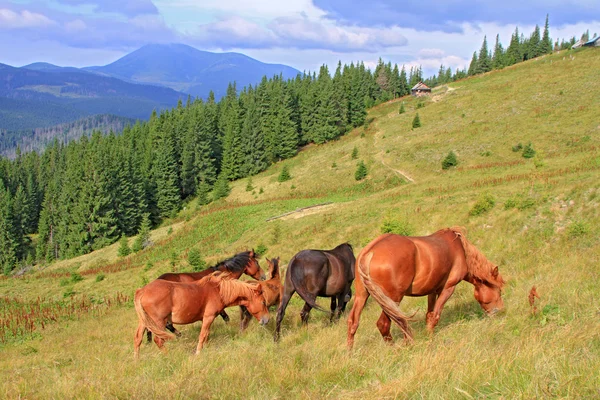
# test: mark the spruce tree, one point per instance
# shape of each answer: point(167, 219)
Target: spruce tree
point(203, 193)
point(484, 63)
point(284, 175)
point(514, 53)
point(416, 123)
point(143, 237)
point(221, 188)
point(354, 153)
point(498, 60)
point(402, 110)
point(124, 249)
point(473, 66)
point(361, 171)
point(546, 45)
point(8, 236)
point(450, 160)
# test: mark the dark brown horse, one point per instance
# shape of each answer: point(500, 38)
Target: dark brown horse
point(271, 289)
point(242, 263)
point(161, 302)
point(393, 266)
point(323, 273)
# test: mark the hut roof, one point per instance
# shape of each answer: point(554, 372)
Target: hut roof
point(591, 42)
point(421, 86)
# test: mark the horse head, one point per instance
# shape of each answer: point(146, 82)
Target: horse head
point(488, 292)
point(253, 269)
point(256, 305)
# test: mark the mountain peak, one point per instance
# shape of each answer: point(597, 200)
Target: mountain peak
point(187, 69)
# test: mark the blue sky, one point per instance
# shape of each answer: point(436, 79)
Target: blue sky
point(301, 33)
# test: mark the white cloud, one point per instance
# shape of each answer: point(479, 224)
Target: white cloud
point(75, 26)
point(25, 19)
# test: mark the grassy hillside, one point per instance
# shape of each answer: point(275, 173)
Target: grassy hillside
point(542, 230)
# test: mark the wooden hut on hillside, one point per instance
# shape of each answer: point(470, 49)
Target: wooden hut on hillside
point(420, 89)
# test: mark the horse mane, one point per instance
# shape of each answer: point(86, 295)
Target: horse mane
point(231, 289)
point(236, 263)
point(275, 271)
point(477, 264)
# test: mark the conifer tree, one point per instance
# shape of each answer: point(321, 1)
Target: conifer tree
point(203, 193)
point(498, 60)
point(401, 110)
point(221, 188)
point(361, 171)
point(546, 45)
point(8, 236)
point(416, 123)
point(124, 249)
point(484, 63)
point(473, 66)
point(514, 53)
point(284, 175)
point(143, 237)
point(450, 160)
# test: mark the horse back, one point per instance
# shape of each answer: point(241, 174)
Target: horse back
point(184, 276)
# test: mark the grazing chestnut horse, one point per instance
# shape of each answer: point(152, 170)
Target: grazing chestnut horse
point(323, 273)
point(393, 266)
point(161, 302)
point(271, 289)
point(242, 263)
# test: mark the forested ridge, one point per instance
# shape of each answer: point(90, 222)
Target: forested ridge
point(86, 194)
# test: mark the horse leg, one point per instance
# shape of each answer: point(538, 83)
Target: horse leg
point(160, 343)
point(305, 313)
point(333, 307)
point(431, 299)
point(137, 341)
point(383, 324)
point(149, 335)
point(206, 323)
point(285, 299)
point(170, 327)
point(354, 318)
point(224, 315)
point(245, 318)
point(439, 304)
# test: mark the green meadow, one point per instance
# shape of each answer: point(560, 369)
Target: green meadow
point(66, 329)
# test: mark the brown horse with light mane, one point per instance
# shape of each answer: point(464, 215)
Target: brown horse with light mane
point(393, 266)
point(242, 263)
point(271, 289)
point(161, 302)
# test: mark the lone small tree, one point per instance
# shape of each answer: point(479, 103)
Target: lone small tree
point(124, 249)
point(416, 123)
point(361, 171)
point(355, 153)
point(402, 110)
point(284, 175)
point(143, 238)
point(221, 188)
point(203, 192)
point(249, 186)
point(528, 151)
point(449, 161)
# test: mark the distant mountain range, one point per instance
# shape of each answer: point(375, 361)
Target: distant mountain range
point(153, 77)
point(189, 70)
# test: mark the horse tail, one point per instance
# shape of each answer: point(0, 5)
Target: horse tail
point(390, 308)
point(296, 278)
point(148, 322)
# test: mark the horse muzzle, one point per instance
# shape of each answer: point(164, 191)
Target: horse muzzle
point(264, 320)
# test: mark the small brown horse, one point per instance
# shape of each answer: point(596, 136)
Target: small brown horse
point(324, 273)
point(271, 289)
point(161, 302)
point(242, 263)
point(393, 266)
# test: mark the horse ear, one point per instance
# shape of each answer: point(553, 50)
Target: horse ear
point(259, 289)
point(495, 272)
